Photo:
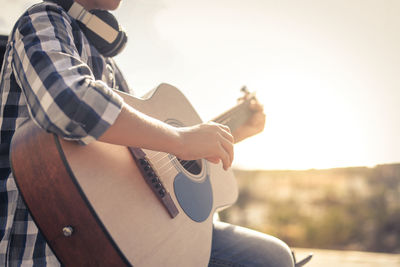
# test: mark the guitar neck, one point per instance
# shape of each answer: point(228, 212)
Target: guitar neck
point(236, 116)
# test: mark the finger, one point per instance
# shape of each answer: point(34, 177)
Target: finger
point(227, 153)
point(228, 147)
point(241, 99)
point(221, 126)
point(256, 106)
point(223, 154)
point(225, 127)
point(225, 131)
point(227, 136)
point(258, 118)
point(214, 160)
point(245, 97)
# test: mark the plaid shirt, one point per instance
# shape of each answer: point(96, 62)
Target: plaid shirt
point(51, 74)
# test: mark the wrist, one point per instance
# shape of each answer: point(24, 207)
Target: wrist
point(174, 141)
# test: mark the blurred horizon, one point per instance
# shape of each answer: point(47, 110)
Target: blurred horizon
point(356, 208)
point(241, 168)
point(326, 71)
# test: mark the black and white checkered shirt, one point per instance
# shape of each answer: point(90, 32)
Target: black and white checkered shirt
point(51, 74)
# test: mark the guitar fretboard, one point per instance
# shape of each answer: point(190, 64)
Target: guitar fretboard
point(237, 115)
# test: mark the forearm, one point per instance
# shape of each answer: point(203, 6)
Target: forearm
point(135, 129)
point(207, 140)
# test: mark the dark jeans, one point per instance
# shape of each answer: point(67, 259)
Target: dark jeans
point(237, 246)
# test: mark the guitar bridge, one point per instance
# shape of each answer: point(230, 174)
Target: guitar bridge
point(153, 181)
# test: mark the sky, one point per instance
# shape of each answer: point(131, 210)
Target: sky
point(326, 71)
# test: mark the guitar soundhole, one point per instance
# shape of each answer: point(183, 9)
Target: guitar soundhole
point(192, 166)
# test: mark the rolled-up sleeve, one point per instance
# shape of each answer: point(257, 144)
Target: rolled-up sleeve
point(61, 92)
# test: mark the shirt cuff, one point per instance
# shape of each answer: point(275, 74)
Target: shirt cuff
point(108, 117)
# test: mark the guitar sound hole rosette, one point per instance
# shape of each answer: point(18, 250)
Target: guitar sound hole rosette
point(192, 166)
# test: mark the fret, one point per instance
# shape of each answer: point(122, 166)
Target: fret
point(237, 115)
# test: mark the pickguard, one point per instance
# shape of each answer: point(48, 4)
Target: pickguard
point(195, 198)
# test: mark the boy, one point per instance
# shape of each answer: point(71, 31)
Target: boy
point(55, 76)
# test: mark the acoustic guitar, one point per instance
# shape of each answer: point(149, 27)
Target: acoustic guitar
point(110, 205)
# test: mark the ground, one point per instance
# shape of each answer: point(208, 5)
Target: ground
point(334, 258)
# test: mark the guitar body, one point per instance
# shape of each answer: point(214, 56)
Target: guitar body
point(95, 208)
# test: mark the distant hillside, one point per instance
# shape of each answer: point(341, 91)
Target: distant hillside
point(343, 208)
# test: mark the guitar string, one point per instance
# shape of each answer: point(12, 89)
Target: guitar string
point(161, 172)
point(189, 163)
point(238, 108)
point(186, 165)
point(171, 167)
point(157, 153)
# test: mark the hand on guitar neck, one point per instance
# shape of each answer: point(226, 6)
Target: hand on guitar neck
point(245, 119)
point(255, 123)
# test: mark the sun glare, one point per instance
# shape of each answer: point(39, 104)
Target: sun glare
point(326, 73)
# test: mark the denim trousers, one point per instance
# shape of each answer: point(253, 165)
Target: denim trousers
point(236, 246)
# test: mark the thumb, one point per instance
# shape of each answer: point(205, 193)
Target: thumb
point(214, 160)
